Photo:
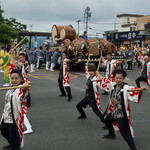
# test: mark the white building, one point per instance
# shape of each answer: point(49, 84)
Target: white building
point(127, 22)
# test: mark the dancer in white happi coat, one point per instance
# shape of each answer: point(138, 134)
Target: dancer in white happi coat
point(24, 70)
point(92, 94)
point(111, 65)
point(12, 117)
point(145, 71)
point(118, 112)
point(63, 78)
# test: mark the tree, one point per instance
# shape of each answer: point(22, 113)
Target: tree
point(7, 33)
point(9, 28)
point(1, 15)
point(15, 24)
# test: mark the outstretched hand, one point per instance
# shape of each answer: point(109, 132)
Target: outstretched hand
point(143, 88)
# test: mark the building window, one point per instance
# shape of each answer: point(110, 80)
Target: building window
point(128, 20)
point(130, 28)
point(133, 28)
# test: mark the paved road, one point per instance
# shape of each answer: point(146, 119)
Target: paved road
point(55, 122)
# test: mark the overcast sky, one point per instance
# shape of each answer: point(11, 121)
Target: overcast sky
point(44, 14)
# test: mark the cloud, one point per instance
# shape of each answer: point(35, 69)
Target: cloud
point(45, 13)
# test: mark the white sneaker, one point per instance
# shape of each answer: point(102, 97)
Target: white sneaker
point(6, 84)
point(51, 70)
point(28, 131)
point(1, 71)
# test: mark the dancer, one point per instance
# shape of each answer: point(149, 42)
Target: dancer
point(12, 117)
point(48, 55)
point(63, 78)
point(91, 96)
point(6, 62)
point(32, 59)
point(55, 58)
point(111, 65)
point(118, 112)
point(145, 73)
point(1, 59)
point(24, 67)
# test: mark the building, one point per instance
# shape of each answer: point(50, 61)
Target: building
point(127, 22)
point(131, 30)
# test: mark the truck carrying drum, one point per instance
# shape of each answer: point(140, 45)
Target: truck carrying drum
point(64, 38)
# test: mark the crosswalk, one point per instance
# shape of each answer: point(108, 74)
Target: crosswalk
point(43, 74)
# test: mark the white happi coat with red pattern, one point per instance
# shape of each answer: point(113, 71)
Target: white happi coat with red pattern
point(141, 59)
point(18, 106)
point(134, 96)
point(109, 71)
point(65, 73)
point(96, 86)
point(11, 67)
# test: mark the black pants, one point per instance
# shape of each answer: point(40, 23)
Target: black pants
point(84, 102)
point(123, 127)
point(140, 79)
point(40, 64)
point(129, 65)
point(61, 87)
point(29, 100)
point(10, 132)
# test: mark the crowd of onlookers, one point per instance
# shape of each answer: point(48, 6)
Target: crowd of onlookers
point(46, 56)
point(131, 54)
point(42, 56)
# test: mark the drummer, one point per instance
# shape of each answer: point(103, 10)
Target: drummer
point(84, 36)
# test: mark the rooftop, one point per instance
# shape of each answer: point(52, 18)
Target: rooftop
point(129, 15)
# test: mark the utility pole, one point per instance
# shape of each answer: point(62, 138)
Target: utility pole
point(78, 26)
point(114, 25)
point(87, 15)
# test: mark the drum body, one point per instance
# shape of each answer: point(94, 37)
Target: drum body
point(77, 43)
point(93, 46)
point(57, 29)
point(108, 47)
point(68, 33)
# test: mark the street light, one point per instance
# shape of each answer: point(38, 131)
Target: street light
point(78, 25)
point(31, 27)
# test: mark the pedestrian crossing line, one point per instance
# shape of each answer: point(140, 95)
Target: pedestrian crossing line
point(34, 76)
point(49, 76)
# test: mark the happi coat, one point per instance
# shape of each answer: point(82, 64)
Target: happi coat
point(109, 71)
point(18, 108)
point(141, 59)
point(96, 86)
point(134, 96)
point(65, 73)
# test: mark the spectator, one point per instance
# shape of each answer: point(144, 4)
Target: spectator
point(41, 55)
point(84, 36)
point(55, 58)
point(32, 59)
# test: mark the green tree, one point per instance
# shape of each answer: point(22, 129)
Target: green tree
point(9, 28)
point(1, 15)
point(7, 33)
point(15, 24)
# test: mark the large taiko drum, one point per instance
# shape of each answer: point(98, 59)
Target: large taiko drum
point(105, 43)
point(77, 43)
point(93, 46)
point(68, 33)
point(67, 42)
point(92, 42)
point(108, 47)
point(56, 30)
